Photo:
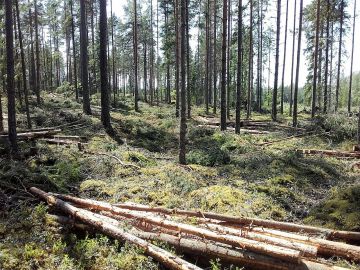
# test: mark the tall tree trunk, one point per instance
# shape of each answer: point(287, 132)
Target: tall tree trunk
point(223, 67)
point(84, 59)
point(296, 89)
point(145, 72)
point(325, 109)
point(250, 71)
point(284, 60)
point(113, 52)
point(105, 99)
point(188, 61)
point(239, 70)
point(331, 67)
point(215, 60)
point(276, 77)
point(37, 51)
point(151, 85)
point(32, 77)
point(74, 51)
point(339, 56)
point(316, 55)
point(10, 75)
point(228, 74)
point(352, 60)
point(136, 90)
point(177, 58)
point(23, 67)
point(292, 61)
point(207, 60)
point(182, 157)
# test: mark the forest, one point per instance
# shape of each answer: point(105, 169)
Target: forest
point(179, 134)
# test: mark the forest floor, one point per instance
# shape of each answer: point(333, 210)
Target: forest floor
point(226, 173)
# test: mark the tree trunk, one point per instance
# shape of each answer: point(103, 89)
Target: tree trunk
point(37, 51)
point(296, 89)
point(105, 99)
point(250, 71)
point(239, 70)
point(276, 77)
point(188, 73)
point(316, 55)
point(136, 90)
point(292, 61)
point(151, 81)
point(23, 67)
point(10, 74)
point(145, 72)
point(207, 60)
point(325, 109)
point(177, 58)
point(113, 52)
point(284, 60)
point(182, 158)
point(74, 51)
point(339, 56)
point(223, 67)
point(228, 78)
point(352, 60)
point(84, 59)
point(215, 60)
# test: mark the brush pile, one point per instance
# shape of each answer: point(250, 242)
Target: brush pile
point(240, 241)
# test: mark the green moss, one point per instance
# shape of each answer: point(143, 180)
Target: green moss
point(341, 210)
point(139, 158)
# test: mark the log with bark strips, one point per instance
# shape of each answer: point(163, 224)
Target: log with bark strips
point(252, 245)
point(163, 256)
point(330, 153)
point(286, 226)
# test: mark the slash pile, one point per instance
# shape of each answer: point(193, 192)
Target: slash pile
point(255, 243)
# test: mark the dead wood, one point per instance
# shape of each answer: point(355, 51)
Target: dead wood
point(163, 256)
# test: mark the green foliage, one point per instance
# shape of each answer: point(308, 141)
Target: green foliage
point(139, 158)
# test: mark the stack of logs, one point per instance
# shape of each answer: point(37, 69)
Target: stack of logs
point(240, 241)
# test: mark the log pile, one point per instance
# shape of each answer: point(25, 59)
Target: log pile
point(30, 135)
point(256, 243)
point(331, 153)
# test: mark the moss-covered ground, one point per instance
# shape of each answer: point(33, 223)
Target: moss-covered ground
point(226, 173)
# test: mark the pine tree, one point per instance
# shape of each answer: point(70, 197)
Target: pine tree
point(275, 90)
point(239, 70)
point(223, 68)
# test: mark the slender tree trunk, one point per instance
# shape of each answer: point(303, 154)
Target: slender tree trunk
point(223, 67)
point(250, 71)
point(32, 77)
point(37, 50)
point(151, 55)
point(182, 157)
point(177, 58)
point(276, 77)
point(136, 90)
point(145, 73)
point(296, 89)
point(215, 60)
point(316, 55)
point(10, 75)
point(331, 66)
point(113, 52)
point(207, 40)
point(23, 67)
point(352, 60)
point(105, 98)
point(228, 74)
point(239, 70)
point(339, 56)
point(284, 60)
point(84, 59)
point(74, 51)
point(325, 109)
point(188, 79)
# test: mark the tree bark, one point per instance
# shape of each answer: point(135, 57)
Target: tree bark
point(352, 60)
point(292, 61)
point(105, 99)
point(84, 59)
point(223, 67)
point(37, 51)
point(276, 77)
point(284, 60)
point(250, 65)
point(239, 70)
point(339, 55)
point(136, 90)
point(10, 74)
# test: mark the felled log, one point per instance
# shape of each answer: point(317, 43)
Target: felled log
point(306, 249)
point(253, 222)
point(35, 134)
point(330, 153)
point(163, 256)
point(234, 256)
point(252, 245)
point(247, 131)
point(209, 249)
point(70, 137)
